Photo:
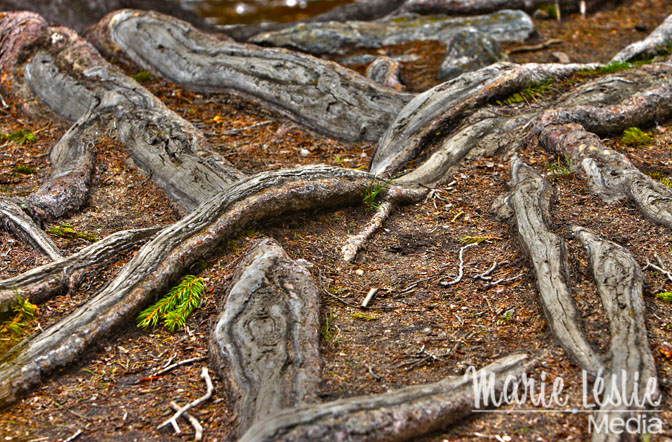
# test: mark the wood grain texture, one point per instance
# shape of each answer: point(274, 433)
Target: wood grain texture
point(265, 341)
point(322, 95)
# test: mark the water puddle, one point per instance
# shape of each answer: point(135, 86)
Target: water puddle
point(225, 12)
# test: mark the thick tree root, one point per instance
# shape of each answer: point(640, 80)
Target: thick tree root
point(266, 341)
point(70, 77)
point(439, 109)
point(15, 220)
point(160, 262)
point(630, 362)
point(399, 415)
point(470, 7)
point(611, 175)
point(339, 38)
point(65, 274)
point(530, 201)
point(658, 42)
point(321, 95)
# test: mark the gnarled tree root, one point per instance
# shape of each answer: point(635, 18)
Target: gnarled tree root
point(69, 76)
point(611, 175)
point(161, 261)
point(470, 7)
point(399, 415)
point(265, 341)
point(630, 369)
point(15, 220)
point(437, 110)
point(41, 283)
point(530, 202)
point(659, 41)
point(321, 95)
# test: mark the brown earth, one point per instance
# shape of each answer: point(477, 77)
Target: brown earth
point(417, 330)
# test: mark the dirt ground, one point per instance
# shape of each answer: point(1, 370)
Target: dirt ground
point(419, 329)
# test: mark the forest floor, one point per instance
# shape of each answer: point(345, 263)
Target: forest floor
point(418, 329)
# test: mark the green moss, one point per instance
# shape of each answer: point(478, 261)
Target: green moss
point(550, 9)
point(22, 136)
point(634, 136)
point(142, 76)
point(24, 170)
point(532, 92)
point(66, 231)
point(665, 296)
point(364, 317)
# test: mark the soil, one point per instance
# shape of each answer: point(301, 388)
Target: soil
point(418, 329)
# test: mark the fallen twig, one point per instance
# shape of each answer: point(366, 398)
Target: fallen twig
point(503, 280)
point(243, 129)
point(179, 364)
point(208, 382)
point(661, 269)
point(538, 47)
point(461, 269)
point(354, 243)
point(74, 436)
point(198, 429)
point(369, 297)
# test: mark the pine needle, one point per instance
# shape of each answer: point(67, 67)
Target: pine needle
point(175, 306)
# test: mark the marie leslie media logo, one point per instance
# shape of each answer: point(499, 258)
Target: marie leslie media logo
point(618, 403)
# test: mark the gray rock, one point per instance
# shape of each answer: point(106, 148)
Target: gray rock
point(469, 50)
point(337, 38)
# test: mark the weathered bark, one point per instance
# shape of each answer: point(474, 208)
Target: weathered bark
point(321, 95)
point(80, 14)
point(15, 220)
point(439, 109)
point(63, 275)
point(339, 38)
point(265, 341)
point(530, 202)
point(658, 42)
point(386, 71)
point(399, 415)
point(168, 255)
point(359, 10)
point(470, 7)
point(69, 76)
point(629, 362)
point(610, 174)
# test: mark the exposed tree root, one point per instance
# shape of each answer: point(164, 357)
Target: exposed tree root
point(399, 415)
point(168, 255)
point(65, 274)
point(611, 175)
point(630, 362)
point(266, 340)
point(69, 76)
point(321, 95)
point(530, 201)
point(470, 7)
point(354, 243)
point(437, 110)
point(658, 42)
point(15, 220)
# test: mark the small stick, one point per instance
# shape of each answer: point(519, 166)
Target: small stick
point(582, 7)
point(355, 243)
point(208, 382)
point(179, 364)
point(661, 269)
point(4, 103)
point(461, 269)
point(541, 46)
point(557, 10)
point(375, 376)
point(485, 276)
point(254, 126)
point(500, 281)
point(369, 297)
point(198, 429)
point(74, 436)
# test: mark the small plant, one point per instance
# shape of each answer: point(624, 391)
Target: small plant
point(364, 317)
point(531, 93)
point(22, 136)
point(24, 312)
point(174, 308)
point(466, 240)
point(142, 76)
point(550, 9)
point(656, 175)
point(67, 231)
point(665, 296)
point(375, 187)
point(634, 136)
point(24, 170)
point(505, 317)
point(562, 169)
point(328, 331)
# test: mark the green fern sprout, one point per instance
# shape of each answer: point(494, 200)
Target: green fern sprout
point(24, 312)
point(175, 306)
